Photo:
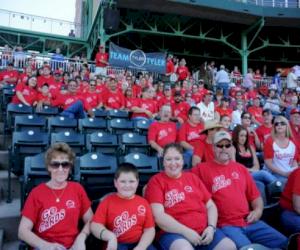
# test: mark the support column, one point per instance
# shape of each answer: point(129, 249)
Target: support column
point(244, 53)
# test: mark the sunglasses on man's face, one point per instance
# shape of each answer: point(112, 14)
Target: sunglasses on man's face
point(228, 145)
point(57, 164)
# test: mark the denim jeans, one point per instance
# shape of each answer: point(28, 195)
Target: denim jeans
point(76, 110)
point(187, 157)
point(130, 246)
point(258, 232)
point(263, 176)
point(225, 87)
point(291, 221)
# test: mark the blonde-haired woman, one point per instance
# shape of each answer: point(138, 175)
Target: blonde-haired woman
point(280, 152)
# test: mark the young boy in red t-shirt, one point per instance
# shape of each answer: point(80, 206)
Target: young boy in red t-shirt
point(124, 219)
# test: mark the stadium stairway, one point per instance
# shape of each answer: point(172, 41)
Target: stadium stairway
point(9, 212)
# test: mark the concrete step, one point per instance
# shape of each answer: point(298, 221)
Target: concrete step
point(15, 186)
point(13, 245)
point(10, 219)
point(4, 159)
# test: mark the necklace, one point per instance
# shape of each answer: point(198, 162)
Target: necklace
point(58, 197)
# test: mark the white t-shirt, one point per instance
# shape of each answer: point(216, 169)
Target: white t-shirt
point(207, 113)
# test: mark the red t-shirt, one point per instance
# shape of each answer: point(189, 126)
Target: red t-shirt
point(148, 104)
point(162, 133)
point(256, 112)
point(56, 222)
point(68, 99)
point(180, 110)
point(292, 187)
point(126, 218)
point(183, 73)
point(221, 111)
point(183, 198)
point(113, 100)
point(190, 133)
point(204, 150)
point(232, 189)
point(9, 74)
point(101, 56)
point(42, 79)
point(92, 98)
point(263, 133)
point(170, 67)
point(131, 102)
point(29, 94)
point(165, 101)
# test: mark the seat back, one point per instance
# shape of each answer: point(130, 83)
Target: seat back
point(116, 113)
point(134, 142)
point(142, 126)
point(102, 142)
point(90, 125)
point(26, 143)
point(12, 111)
point(47, 111)
point(119, 126)
point(30, 122)
point(100, 113)
point(97, 173)
point(61, 123)
point(146, 165)
point(74, 140)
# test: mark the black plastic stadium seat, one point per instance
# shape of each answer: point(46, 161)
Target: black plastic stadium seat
point(61, 123)
point(90, 125)
point(134, 143)
point(102, 142)
point(30, 122)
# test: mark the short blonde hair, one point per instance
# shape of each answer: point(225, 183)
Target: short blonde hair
point(59, 148)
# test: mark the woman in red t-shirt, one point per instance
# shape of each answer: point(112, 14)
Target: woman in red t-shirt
point(182, 207)
point(26, 93)
point(52, 211)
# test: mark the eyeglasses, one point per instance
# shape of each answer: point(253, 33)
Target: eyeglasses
point(57, 164)
point(224, 145)
point(247, 117)
point(93, 85)
point(279, 123)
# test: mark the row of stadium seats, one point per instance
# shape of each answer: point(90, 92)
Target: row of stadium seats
point(95, 171)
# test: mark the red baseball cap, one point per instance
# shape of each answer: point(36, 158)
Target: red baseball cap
point(47, 66)
point(295, 111)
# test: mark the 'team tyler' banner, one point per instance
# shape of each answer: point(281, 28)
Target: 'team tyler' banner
point(137, 59)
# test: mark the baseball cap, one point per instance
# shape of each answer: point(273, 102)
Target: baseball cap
point(208, 93)
point(295, 111)
point(46, 66)
point(210, 125)
point(221, 135)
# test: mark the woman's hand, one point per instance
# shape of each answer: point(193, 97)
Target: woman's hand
point(52, 246)
point(112, 244)
point(79, 243)
point(193, 237)
point(207, 235)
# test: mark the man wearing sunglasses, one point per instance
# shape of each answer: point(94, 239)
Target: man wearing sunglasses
point(233, 190)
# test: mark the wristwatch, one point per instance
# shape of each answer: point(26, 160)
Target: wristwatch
point(214, 228)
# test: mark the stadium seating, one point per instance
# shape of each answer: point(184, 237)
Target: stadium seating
point(61, 123)
point(133, 142)
point(115, 113)
point(102, 142)
point(30, 122)
point(142, 126)
point(75, 140)
point(90, 125)
point(47, 111)
point(119, 126)
point(12, 111)
point(96, 173)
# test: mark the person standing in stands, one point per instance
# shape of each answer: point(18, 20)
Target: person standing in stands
point(222, 80)
point(162, 132)
point(101, 61)
point(237, 198)
point(207, 108)
point(52, 212)
point(57, 60)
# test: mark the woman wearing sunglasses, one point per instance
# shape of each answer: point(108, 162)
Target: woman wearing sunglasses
point(52, 211)
point(280, 152)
